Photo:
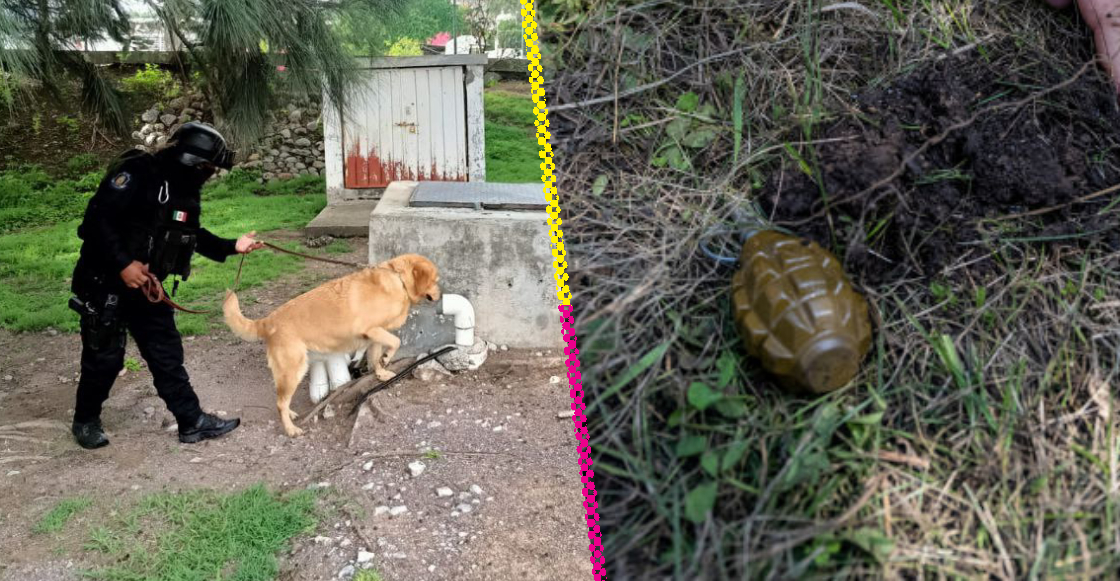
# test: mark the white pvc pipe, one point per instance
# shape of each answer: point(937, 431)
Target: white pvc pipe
point(318, 385)
point(458, 307)
point(338, 369)
point(327, 371)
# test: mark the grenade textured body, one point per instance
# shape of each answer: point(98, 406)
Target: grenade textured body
point(798, 314)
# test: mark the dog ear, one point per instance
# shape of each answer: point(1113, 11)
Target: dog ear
point(423, 276)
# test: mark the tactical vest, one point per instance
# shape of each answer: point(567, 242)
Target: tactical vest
point(163, 228)
point(173, 235)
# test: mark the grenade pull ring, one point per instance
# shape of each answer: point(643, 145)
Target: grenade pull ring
point(794, 307)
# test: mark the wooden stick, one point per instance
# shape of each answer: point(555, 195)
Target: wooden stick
point(348, 386)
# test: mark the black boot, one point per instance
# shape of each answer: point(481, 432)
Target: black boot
point(207, 426)
point(90, 435)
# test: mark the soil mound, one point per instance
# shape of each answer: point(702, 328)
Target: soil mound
point(907, 181)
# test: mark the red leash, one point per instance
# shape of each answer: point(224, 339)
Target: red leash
point(154, 291)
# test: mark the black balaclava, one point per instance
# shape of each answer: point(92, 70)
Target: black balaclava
point(181, 177)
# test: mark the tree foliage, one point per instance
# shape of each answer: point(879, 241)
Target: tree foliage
point(34, 34)
point(369, 31)
point(235, 45)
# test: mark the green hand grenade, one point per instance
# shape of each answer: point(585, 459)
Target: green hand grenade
point(797, 312)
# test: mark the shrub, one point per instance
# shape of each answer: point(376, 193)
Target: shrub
point(152, 81)
point(405, 47)
point(82, 163)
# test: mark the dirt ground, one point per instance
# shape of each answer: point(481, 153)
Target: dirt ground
point(915, 167)
point(498, 444)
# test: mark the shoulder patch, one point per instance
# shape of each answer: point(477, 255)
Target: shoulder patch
point(121, 180)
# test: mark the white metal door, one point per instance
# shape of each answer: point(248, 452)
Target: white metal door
point(407, 124)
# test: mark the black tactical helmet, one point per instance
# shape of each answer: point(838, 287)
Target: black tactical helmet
point(197, 143)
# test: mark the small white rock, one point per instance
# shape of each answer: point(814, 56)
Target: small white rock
point(398, 510)
point(321, 540)
point(328, 412)
point(196, 460)
point(499, 428)
point(476, 490)
point(149, 410)
point(504, 348)
point(398, 556)
point(368, 486)
point(7, 378)
point(368, 466)
point(464, 508)
point(13, 473)
point(364, 557)
point(416, 468)
point(464, 496)
point(381, 510)
point(431, 568)
point(347, 572)
point(345, 543)
point(565, 415)
point(433, 425)
point(554, 379)
point(444, 492)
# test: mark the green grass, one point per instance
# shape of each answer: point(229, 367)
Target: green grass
point(37, 261)
point(367, 575)
point(56, 519)
point(511, 146)
point(203, 536)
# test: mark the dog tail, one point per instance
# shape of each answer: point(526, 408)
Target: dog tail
point(243, 327)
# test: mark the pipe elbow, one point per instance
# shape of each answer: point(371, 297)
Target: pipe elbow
point(462, 312)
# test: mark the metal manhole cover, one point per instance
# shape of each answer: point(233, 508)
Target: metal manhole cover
point(479, 195)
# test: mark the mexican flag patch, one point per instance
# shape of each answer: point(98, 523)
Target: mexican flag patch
point(179, 216)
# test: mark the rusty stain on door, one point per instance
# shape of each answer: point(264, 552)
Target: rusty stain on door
point(407, 124)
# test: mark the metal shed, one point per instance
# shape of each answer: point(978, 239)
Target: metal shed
point(413, 118)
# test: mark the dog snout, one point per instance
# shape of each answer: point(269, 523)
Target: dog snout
point(434, 294)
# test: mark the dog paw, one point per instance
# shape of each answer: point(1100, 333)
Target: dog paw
point(384, 374)
point(294, 432)
point(292, 414)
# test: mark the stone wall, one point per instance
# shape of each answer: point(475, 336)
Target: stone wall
point(292, 144)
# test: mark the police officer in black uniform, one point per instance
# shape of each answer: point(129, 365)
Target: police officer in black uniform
point(141, 227)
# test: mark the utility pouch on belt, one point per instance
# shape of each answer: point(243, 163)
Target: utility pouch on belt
point(101, 323)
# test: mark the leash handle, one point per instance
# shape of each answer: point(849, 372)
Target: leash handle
point(153, 290)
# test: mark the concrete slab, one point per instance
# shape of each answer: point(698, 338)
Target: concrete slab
point(499, 260)
point(489, 196)
point(342, 220)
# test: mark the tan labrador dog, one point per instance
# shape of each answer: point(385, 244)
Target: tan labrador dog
point(347, 314)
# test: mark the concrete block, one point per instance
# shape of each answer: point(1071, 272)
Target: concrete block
point(499, 260)
point(342, 220)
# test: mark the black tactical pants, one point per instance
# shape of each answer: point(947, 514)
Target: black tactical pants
point(152, 325)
